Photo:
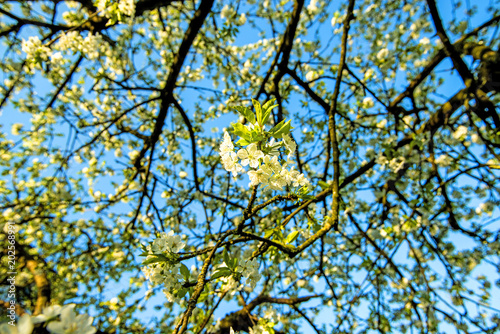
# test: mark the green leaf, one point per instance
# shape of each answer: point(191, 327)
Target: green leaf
point(182, 292)
point(243, 142)
point(185, 271)
point(266, 114)
point(291, 237)
point(279, 235)
point(155, 259)
point(323, 184)
point(246, 112)
point(256, 135)
point(268, 104)
point(203, 297)
point(258, 111)
point(234, 263)
point(226, 258)
point(303, 193)
point(279, 130)
point(266, 110)
point(277, 127)
point(241, 131)
point(268, 234)
point(306, 197)
point(221, 272)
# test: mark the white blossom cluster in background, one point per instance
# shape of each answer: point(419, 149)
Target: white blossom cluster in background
point(58, 319)
point(90, 46)
point(35, 49)
point(109, 8)
point(231, 280)
point(166, 272)
point(37, 52)
point(251, 273)
point(264, 169)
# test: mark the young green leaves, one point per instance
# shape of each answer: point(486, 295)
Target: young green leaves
point(264, 111)
point(231, 263)
point(255, 131)
point(283, 128)
point(247, 113)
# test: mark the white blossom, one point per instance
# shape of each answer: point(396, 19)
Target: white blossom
point(230, 163)
point(71, 323)
point(271, 163)
point(49, 313)
point(311, 75)
point(16, 128)
point(35, 50)
point(300, 180)
point(313, 7)
point(289, 144)
point(259, 176)
point(250, 155)
point(460, 132)
point(367, 103)
point(382, 54)
point(425, 41)
point(251, 273)
point(24, 326)
point(167, 242)
point(278, 181)
point(226, 12)
point(227, 145)
point(243, 19)
point(369, 74)
point(127, 7)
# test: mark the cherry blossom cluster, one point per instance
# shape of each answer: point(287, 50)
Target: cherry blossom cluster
point(115, 10)
point(264, 169)
point(37, 52)
point(90, 46)
point(251, 273)
point(161, 265)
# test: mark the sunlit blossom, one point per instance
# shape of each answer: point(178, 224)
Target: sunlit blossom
point(250, 155)
point(71, 323)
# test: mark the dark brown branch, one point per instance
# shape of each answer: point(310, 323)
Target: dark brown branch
point(39, 275)
point(449, 49)
point(308, 89)
point(242, 320)
point(181, 327)
point(332, 126)
point(212, 310)
point(309, 321)
point(284, 50)
point(68, 78)
point(436, 60)
point(22, 21)
point(194, 153)
point(168, 89)
point(465, 73)
point(284, 301)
